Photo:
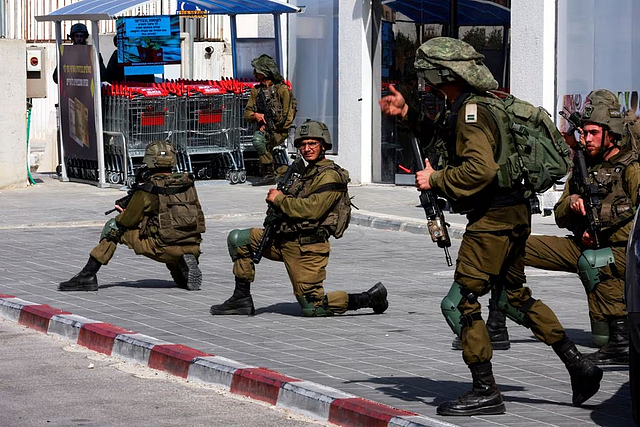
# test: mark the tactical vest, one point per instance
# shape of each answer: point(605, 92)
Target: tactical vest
point(273, 101)
point(616, 207)
point(336, 221)
point(180, 219)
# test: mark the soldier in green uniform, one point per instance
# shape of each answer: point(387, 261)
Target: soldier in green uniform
point(162, 220)
point(612, 165)
point(311, 214)
point(499, 221)
point(273, 107)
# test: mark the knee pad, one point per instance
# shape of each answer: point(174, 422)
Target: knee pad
point(237, 238)
point(311, 310)
point(518, 315)
point(111, 231)
point(588, 264)
point(449, 307)
point(259, 143)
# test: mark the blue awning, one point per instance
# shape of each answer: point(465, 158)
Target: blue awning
point(96, 10)
point(470, 12)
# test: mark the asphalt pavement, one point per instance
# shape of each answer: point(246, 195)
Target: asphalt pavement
point(402, 358)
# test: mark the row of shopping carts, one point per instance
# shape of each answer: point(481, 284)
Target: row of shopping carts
point(203, 119)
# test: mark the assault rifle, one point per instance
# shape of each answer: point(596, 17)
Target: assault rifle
point(274, 216)
point(142, 176)
point(433, 210)
point(585, 187)
point(265, 107)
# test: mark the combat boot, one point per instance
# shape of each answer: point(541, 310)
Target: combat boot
point(496, 327)
point(268, 176)
point(187, 274)
point(483, 399)
point(375, 298)
point(86, 280)
point(240, 302)
point(585, 375)
point(616, 351)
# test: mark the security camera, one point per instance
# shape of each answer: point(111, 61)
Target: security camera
point(208, 51)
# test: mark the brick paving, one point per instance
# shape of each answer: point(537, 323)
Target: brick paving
point(402, 358)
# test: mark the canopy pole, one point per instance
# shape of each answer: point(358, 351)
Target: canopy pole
point(63, 166)
point(234, 53)
point(97, 105)
point(278, 34)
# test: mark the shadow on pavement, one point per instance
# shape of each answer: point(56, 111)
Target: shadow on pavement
point(616, 410)
point(146, 283)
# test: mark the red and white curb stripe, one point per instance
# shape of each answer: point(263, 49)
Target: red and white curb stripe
point(310, 399)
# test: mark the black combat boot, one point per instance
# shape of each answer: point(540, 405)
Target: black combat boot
point(268, 175)
point(240, 302)
point(187, 274)
point(483, 399)
point(616, 352)
point(375, 298)
point(86, 280)
point(496, 327)
point(585, 375)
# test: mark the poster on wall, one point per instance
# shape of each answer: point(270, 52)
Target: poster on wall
point(149, 41)
point(76, 101)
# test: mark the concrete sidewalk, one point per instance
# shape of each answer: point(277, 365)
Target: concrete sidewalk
point(401, 359)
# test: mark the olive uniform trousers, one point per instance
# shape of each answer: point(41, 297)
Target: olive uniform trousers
point(492, 254)
point(562, 253)
point(305, 263)
point(149, 247)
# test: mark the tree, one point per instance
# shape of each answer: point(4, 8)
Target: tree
point(476, 37)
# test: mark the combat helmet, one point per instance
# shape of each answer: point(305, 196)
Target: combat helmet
point(312, 129)
point(444, 59)
point(159, 154)
point(78, 28)
point(602, 108)
point(265, 65)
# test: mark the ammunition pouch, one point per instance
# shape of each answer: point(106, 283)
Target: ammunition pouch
point(237, 238)
point(111, 231)
point(311, 310)
point(319, 235)
point(259, 142)
point(588, 265)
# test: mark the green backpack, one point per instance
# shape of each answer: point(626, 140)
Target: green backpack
point(537, 155)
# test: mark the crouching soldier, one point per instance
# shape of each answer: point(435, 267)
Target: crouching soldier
point(310, 204)
point(162, 220)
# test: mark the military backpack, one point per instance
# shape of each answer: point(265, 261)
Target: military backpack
point(180, 218)
point(535, 155)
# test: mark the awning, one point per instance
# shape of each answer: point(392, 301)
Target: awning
point(97, 10)
point(470, 12)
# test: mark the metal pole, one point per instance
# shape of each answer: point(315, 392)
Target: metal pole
point(453, 19)
point(63, 166)
point(234, 53)
point(3, 17)
point(97, 105)
point(278, 35)
point(191, 46)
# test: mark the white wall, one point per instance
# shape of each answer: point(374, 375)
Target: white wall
point(354, 89)
point(533, 35)
point(13, 114)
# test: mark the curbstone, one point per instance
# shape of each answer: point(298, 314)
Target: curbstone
point(307, 398)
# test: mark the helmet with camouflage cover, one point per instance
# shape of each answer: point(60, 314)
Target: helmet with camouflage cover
point(602, 108)
point(444, 59)
point(265, 65)
point(312, 129)
point(159, 154)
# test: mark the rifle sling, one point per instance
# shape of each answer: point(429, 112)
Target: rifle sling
point(332, 186)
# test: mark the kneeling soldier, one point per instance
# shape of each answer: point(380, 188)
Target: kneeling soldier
point(162, 220)
point(307, 208)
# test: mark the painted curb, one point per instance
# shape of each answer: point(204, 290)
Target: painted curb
point(304, 397)
point(400, 223)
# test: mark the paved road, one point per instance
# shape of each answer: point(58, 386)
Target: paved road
point(46, 381)
point(401, 358)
